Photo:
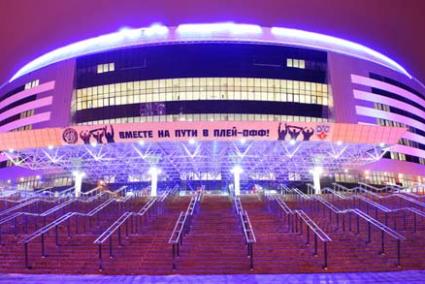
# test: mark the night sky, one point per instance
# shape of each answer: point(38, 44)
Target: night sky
point(29, 28)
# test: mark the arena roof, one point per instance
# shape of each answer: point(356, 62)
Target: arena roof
point(212, 32)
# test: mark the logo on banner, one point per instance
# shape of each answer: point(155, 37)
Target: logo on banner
point(322, 131)
point(101, 135)
point(292, 132)
point(70, 136)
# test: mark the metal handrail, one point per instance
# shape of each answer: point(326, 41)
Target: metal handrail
point(357, 189)
point(400, 195)
point(62, 219)
point(417, 187)
point(293, 216)
point(313, 226)
point(26, 203)
point(43, 189)
point(238, 205)
point(55, 223)
point(412, 194)
point(87, 193)
point(370, 221)
point(284, 206)
point(247, 227)
point(63, 192)
point(168, 193)
point(300, 193)
point(116, 226)
point(361, 197)
point(45, 213)
point(178, 229)
point(335, 193)
point(34, 195)
point(382, 208)
point(385, 188)
point(182, 227)
point(247, 230)
point(394, 234)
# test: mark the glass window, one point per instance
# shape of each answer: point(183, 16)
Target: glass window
point(289, 62)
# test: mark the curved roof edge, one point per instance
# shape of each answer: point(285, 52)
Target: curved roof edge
point(227, 31)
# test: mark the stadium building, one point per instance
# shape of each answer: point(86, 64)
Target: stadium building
point(216, 84)
point(261, 147)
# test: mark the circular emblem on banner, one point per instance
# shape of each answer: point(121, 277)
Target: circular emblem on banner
point(70, 136)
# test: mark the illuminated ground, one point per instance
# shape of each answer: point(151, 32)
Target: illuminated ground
point(377, 277)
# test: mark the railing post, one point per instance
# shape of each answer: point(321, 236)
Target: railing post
point(325, 255)
point(308, 235)
point(414, 222)
point(337, 220)
point(56, 236)
point(358, 224)
point(315, 245)
point(100, 257)
point(42, 246)
point(26, 224)
point(119, 236)
point(293, 223)
point(398, 253)
point(404, 220)
point(110, 246)
point(395, 222)
point(368, 232)
point(26, 255)
point(252, 257)
point(173, 250)
point(382, 242)
point(16, 225)
point(296, 222)
point(301, 227)
point(69, 228)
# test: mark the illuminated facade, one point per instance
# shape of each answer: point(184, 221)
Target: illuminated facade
point(215, 73)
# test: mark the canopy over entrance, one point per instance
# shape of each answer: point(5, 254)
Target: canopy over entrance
point(199, 150)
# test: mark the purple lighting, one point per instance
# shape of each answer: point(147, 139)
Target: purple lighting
point(227, 31)
point(227, 28)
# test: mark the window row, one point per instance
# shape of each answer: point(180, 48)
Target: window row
point(209, 84)
point(32, 84)
point(208, 117)
point(295, 63)
point(115, 101)
point(103, 68)
point(188, 89)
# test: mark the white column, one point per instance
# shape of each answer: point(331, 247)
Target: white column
point(237, 170)
point(317, 171)
point(237, 182)
point(78, 181)
point(154, 172)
